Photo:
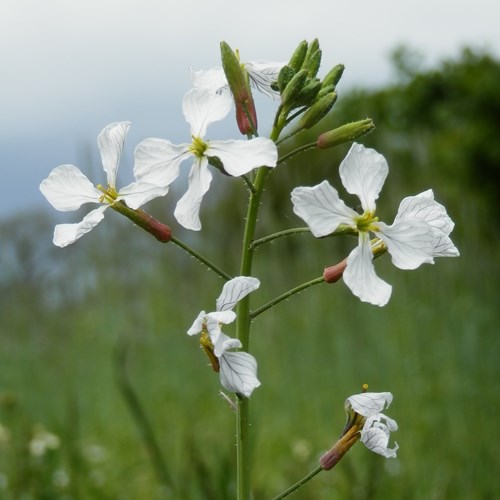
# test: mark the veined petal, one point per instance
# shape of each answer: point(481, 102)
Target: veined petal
point(360, 276)
point(139, 193)
point(202, 107)
point(241, 157)
point(363, 172)
point(369, 403)
point(67, 188)
point(213, 80)
point(234, 290)
point(238, 373)
point(223, 343)
point(65, 234)
point(110, 142)
point(262, 74)
point(321, 208)
point(410, 242)
point(188, 207)
point(157, 161)
point(197, 325)
point(375, 435)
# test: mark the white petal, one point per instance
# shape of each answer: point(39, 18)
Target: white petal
point(360, 275)
point(197, 325)
point(65, 234)
point(213, 80)
point(110, 142)
point(375, 435)
point(67, 188)
point(202, 107)
point(241, 157)
point(369, 403)
point(223, 343)
point(188, 207)
point(234, 290)
point(262, 74)
point(321, 208)
point(157, 161)
point(214, 320)
point(363, 172)
point(238, 372)
point(139, 193)
point(410, 242)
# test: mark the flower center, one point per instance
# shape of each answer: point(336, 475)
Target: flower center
point(198, 147)
point(110, 194)
point(366, 222)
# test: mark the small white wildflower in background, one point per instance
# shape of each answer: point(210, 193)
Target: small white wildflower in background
point(43, 441)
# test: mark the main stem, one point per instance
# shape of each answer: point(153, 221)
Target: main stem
point(243, 334)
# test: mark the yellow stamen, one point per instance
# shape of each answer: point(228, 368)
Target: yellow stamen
point(198, 147)
point(110, 194)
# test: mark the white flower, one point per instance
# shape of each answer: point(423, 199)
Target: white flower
point(260, 73)
point(377, 426)
point(411, 239)
point(67, 188)
point(157, 161)
point(237, 370)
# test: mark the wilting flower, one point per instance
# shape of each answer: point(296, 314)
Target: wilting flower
point(67, 188)
point(419, 232)
point(238, 370)
point(157, 161)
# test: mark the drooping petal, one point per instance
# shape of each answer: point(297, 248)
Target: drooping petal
point(234, 290)
point(410, 242)
point(202, 107)
point(65, 234)
point(363, 172)
point(238, 373)
point(321, 208)
point(188, 207)
point(375, 435)
point(197, 325)
point(369, 403)
point(157, 161)
point(110, 142)
point(213, 80)
point(360, 276)
point(137, 194)
point(223, 343)
point(67, 188)
point(262, 74)
point(241, 157)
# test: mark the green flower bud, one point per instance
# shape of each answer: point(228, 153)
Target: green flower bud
point(236, 79)
point(285, 75)
point(314, 63)
point(324, 90)
point(313, 47)
point(334, 75)
point(317, 111)
point(298, 56)
point(293, 89)
point(345, 133)
point(309, 93)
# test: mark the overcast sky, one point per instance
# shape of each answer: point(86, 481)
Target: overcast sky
point(68, 68)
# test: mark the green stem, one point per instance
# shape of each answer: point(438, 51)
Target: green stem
point(291, 154)
point(279, 234)
point(285, 296)
point(249, 183)
point(201, 258)
point(300, 483)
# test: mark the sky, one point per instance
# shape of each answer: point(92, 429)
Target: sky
point(71, 67)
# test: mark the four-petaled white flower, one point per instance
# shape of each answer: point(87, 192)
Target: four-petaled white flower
point(67, 188)
point(377, 426)
point(419, 232)
point(238, 370)
point(261, 75)
point(157, 161)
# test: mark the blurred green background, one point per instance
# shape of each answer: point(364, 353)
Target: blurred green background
point(67, 399)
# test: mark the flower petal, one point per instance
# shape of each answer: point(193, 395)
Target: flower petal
point(67, 188)
point(202, 107)
point(139, 193)
point(234, 290)
point(369, 403)
point(157, 161)
point(262, 74)
point(188, 207)
point(363, 172)
point(223, 343)
point(375, 435)
point(238, 372)
point(197, 325)
point(410, 242)
point(241, 157)
point(110, 142)
point(360, 276)
point(65, 234)
point(213, 80)
point(321, 208)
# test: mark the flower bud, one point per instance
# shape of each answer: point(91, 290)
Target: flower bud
point(345, 133)
point(293, 89)
point(311, 49)
point(314, 63)
point(309, 93)
point(317, 111)
point(298, 56)
point(334, 75)
point(333, 273)
point(234, 73)
point(285, 75)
